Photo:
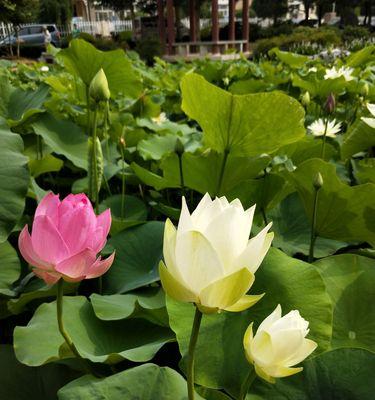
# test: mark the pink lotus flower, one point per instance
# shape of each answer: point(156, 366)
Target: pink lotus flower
point(66, 238)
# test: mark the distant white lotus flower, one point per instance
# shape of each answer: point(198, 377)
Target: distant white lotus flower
point(44, 68)
point(370, 121)
point(160, 119)
point(318, 128)
point(333, 73)
point(313, 69)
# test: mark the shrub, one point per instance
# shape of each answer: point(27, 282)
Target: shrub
point(148, 49)
point(355, 32)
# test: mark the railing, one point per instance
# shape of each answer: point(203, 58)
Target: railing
point(101, 28)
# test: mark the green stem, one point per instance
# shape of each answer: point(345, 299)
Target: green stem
point(182, 183)
point(324, 140)
point(313, 227)
point(39, 148)
point(222, 170)
point(250, 377)
point(191, 353)
point(64, 333)
point(88, 108)
point(95, 160)
point(264, 215)
point(122, 184)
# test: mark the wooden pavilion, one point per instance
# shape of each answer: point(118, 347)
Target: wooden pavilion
point(195, 48)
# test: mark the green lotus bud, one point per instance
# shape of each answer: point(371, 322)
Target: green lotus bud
point(179, 147)
point(365, 90)
point(305, 100)
point(318, 181)
point(99, 89)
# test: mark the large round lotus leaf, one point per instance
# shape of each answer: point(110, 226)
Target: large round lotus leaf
point(145, 382)
point(111, 342)
point(350, 282)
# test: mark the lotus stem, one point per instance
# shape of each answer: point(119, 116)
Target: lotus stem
point(191, 353)
point(95, 161)
point(324, 139)
point(313, 226)
point(64, 333)
point(222, 170)
point(182, 183)
point(250, 378)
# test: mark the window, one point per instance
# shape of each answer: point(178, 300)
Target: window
point(23, 32)
point(51, 28)
point(34, 30)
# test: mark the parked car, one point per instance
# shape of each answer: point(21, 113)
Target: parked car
point(32, 36)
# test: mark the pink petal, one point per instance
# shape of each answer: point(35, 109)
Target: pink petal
point(100, 267)
point(77, 228)
point(104, 221)
point(26, 248)
point(49, 278)
point(49, 206)
point(76, 267)
point(73, 201)
point(47, 241)
point(97, 240)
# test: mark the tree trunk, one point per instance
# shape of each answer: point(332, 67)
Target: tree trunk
point(132, 16)
point(18, 42)
point(306, 4)
point(370, 13)
point(320, 14)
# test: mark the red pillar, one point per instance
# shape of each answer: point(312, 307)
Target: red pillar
point(193, 20)
point(232, 14)
point(161, 23)
point(170, 26)
point(215, 24)
point(245, 24)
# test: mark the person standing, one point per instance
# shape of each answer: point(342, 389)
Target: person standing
point(47, 37)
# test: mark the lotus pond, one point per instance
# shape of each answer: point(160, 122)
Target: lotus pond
point(134, 264)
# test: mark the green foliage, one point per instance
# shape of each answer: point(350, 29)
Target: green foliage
point(235, 129)
point(13, 189)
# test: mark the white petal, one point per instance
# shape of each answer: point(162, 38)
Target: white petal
point(197, 261)
point(369, 121)
point(271, 319)
point(229, 233)
point(185, 222)
point(307, 347)
point(255, 251)
point(261, 350)
point(292, 320)
point(285, 344)
point(371, 108)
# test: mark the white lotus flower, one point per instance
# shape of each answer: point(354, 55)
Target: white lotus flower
point(44, 68)
point(278, 345)
point(159, 120)
point(318, 128)
point(370, 121)
point(209, 259)
point(333, 73)
point(313, 69)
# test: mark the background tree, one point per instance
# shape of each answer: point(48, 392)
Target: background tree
point(323, 7)
point(346, 10)
point(55, 11)
point(307, 4)
point(274, 9)
point(17, 12)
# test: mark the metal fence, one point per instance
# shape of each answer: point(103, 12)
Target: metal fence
point(102, 28)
